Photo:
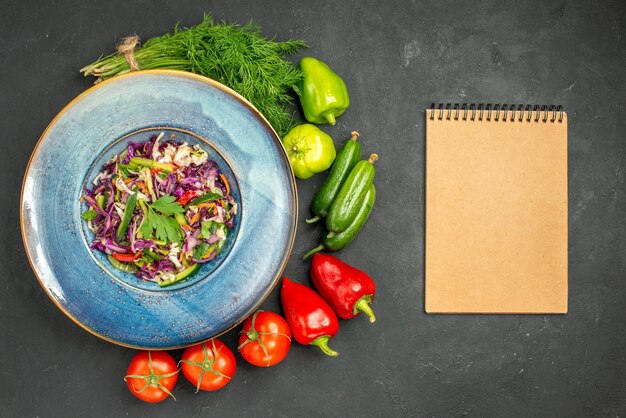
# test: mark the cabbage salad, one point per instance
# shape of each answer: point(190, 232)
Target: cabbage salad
point(160, 209)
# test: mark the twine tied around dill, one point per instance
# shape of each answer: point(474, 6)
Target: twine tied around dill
point(127, 49)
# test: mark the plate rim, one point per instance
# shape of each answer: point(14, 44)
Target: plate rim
point(178, 73)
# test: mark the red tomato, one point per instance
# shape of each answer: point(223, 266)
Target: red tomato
point(152, 375)
point(209, 365)
point(264, 339)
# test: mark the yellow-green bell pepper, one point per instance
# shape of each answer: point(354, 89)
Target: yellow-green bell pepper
point(324, 95)
point(309, 149)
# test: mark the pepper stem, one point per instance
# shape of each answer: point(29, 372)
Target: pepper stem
point(373, 158)
point(312, 220)
point(330, 118)
point(322, 343)
point(313, 251)
point(354, 136)
point(363, 305)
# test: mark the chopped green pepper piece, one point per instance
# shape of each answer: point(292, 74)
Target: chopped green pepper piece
point(151, 254)
point(89, 215)
point(207, 197)
point(180, 218)
point(200, 250)
point(206, 229)
point(128, 214)
point(100, 200)
point(145, 162)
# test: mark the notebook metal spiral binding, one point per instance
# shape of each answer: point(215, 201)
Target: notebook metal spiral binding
point(497, 112)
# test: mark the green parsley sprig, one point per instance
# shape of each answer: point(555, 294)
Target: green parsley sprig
point(158, 218)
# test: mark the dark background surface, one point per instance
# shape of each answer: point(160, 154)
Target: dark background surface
point(396, 59)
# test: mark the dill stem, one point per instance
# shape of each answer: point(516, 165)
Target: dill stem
point(235, 55)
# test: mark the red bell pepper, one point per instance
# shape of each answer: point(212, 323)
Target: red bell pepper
point(186, 197)
point(310, 318)
point(127, 258)
point(347, 289)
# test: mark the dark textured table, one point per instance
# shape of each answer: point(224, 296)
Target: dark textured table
point(396, 58)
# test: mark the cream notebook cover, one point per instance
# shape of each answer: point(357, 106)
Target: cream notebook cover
point(496, 209)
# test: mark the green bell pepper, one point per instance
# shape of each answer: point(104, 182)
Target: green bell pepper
point(324, 95)
point(309, 149)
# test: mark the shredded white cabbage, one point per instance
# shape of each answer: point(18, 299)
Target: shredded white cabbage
point(183, 155)
point(91, 227)
point(173, 255)
point(198, 155)
point(156, 155)
point(164, 275)
point(119, 208)
point(119, 183)
point(168, 154)
point(100, 176)
point(221, 233)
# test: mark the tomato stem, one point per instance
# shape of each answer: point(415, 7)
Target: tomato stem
point(253, 335)
point(206, 364)
point(151, 379)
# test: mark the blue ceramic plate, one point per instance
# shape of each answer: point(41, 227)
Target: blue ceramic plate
point(97, 125)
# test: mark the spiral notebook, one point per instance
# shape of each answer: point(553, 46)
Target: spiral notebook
point(496, 209)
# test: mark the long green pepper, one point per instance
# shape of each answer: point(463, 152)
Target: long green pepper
point(351, 195)
point(349, 155)
point(350, 209)
point(338, 241)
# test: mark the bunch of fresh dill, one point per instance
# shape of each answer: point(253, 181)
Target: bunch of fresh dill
point(235, 55)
